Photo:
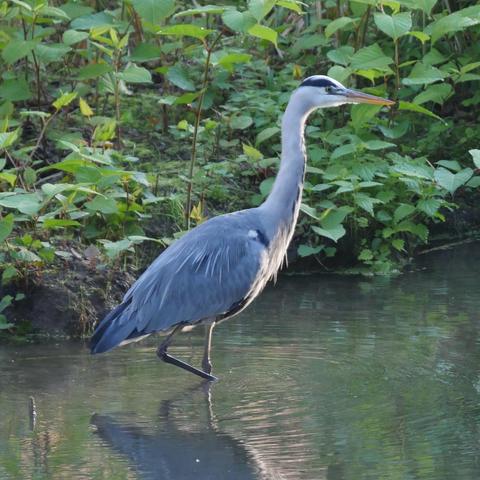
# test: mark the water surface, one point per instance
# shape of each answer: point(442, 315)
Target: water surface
point(323, 377)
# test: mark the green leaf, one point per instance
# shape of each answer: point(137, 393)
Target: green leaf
point(227, 61)
point(208, 9)
point(306, 250)
point(475, 153)
point(113, 249)
point(425, 5)
point(75, 10)
point(402, 211)
point(7, 139)
point(252, 152)
point(240, 122)
point(422, 74)
point(64, 100)
point(398, 244)
point(363, 113)
point(93, 70)
point(334, 233)
point(310, 211)
point(423, 37)
point(452, 181)
point(30, 176)
point(334, 217)
point(474, 182)
point(294, 5)
point(70, 37)
point(365, 255)
point(102, 205)
point(377, 145)
point(451, 165)
point(5, 302)
point(266, 134)
point(48, 11)
point(95, 20)
point(135, 74)
point(395, 26)
point(343, 150)
point(429, 206)
point(8, 177)
point(342, 55)
point(339, 73)
point(8, 274)
point(53, 52)
point(17, 49)
point(338, 24)
point(180, 77)
point(412, 107)
point(417, 229)
point(154, 11)
point(263, 32)
point(308, 42)
point(4, 325)
point(144, 52)
point(21, 4)
point(15, 89)
point(434, 93)
point(54, 223)
point(238, 21)
point(28, 203)
point(260, 8)
point(6, 227)
point(371, 57)
point(454, 22)
point(266, 186)
point(366, 202)
point(185, 30)
point(184, 99)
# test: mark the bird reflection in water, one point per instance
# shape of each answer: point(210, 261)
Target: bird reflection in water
point(165, 449)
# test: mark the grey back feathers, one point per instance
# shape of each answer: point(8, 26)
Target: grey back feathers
point(208, 273)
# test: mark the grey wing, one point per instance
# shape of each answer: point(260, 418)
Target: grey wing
point(207, 273)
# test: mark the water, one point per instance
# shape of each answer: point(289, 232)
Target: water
point(324, 377)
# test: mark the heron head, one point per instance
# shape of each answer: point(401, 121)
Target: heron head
point(325, 92)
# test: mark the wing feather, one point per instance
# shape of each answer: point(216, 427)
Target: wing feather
point(206, 273)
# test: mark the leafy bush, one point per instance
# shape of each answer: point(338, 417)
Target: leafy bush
point(87, 94)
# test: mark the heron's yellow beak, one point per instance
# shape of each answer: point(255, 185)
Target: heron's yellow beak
point(359, 97)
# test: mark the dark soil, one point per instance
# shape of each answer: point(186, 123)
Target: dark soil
point(70, 298)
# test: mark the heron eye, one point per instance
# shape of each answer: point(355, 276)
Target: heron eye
point(329, 90)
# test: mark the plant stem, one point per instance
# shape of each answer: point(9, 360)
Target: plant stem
point(198, 114)
point(397, 69)
point(42, 134)
point(117, 100)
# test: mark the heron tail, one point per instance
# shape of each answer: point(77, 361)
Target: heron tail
point(113, 329)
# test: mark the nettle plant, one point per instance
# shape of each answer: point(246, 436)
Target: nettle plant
point(66, 69)
point(378, 179)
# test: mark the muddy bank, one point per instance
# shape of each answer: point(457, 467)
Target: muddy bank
point(68, 299)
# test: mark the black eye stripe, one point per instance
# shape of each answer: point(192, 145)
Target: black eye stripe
point(317, 82)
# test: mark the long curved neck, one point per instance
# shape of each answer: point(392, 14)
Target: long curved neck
point(284, 200)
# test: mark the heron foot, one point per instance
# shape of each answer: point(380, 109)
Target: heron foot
point(179, 363)
point(163, 355)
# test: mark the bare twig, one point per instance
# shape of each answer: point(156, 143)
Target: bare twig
point(198, 114)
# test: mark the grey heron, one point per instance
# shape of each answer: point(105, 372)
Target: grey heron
point(217, 269)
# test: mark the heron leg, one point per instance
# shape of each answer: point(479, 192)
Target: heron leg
point(163, 355)
point(206, 363)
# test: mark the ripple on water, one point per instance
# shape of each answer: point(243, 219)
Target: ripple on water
point(323, 377)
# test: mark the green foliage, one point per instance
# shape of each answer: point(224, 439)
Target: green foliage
point(193, 96)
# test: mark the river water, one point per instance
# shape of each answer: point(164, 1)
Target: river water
point(323, 377)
